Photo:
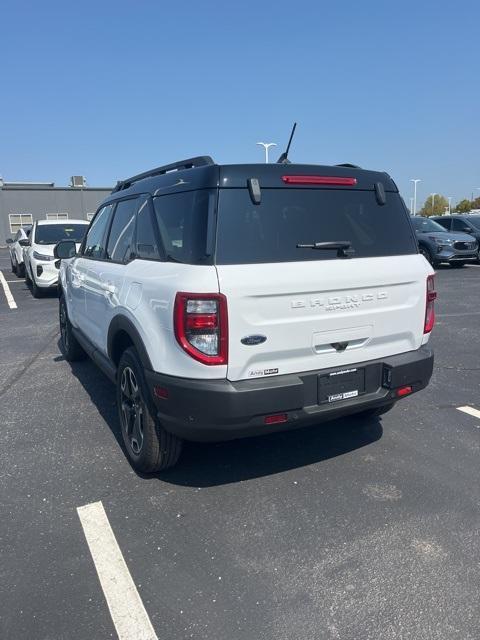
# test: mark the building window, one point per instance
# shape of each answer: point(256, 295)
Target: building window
point(57, 216)
point(90, 216)
point(17, 220)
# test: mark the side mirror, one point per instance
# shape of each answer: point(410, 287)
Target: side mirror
point(466, 230)
point(65, 249)
point(24, 242)
point(9, 241)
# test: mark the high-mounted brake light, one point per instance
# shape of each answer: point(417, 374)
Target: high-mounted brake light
point(334, 180)
point(200, 323)
point(430, 305)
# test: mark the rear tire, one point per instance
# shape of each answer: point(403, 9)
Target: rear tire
point(375, 413)
point(69, 345)
point(20, 270)
point(13, 265)
point(149, 447)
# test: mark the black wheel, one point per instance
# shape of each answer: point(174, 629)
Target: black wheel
point(37, 292)
point(149, 447)
point(21, 270)
point(427, 255)
point(375, 413)
point(457, 265)
point(70, 346)
point(13, 265)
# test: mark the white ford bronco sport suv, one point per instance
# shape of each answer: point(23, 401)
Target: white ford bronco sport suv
point(231, 301)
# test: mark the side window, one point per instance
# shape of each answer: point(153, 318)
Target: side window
point(120, 240)
point(95, 241)
point(182, 220)
point(445, 222)
point(459, 225)
point(147, 241)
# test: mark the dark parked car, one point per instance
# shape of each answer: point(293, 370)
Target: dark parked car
point(465, 223)
point(439, 245)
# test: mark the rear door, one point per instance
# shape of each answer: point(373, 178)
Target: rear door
point(295, 309)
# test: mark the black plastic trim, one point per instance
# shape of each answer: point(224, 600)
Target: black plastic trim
point(222, 410)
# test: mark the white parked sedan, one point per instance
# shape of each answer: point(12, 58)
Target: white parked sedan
point(41, 267)
point(16, 246)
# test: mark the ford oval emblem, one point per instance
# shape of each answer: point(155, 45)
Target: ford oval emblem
point(253, 340)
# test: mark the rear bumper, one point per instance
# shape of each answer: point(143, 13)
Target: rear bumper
point(215, 410)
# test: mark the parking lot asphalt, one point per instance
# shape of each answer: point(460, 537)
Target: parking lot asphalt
point(352, 530)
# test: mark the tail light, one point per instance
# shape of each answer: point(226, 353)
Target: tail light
point(430, 305)
point(200, 323)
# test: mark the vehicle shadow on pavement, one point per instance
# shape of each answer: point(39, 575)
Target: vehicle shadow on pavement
point(206, 465)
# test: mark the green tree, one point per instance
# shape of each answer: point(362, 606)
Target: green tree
point(434, 206)
point(463, 206)
point(476, 203)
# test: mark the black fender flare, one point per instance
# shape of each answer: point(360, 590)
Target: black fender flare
point(122, 323)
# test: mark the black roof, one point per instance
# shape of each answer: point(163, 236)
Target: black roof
point(203, 173)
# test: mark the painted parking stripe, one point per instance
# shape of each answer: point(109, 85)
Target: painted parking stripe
point(8, 294)
point(470, 410)
point(126, 607)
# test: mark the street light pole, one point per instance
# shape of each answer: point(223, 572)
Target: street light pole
point(415, 180)
point(411, 206)
point(449, 205)
point(266, 146)
point(433, 201)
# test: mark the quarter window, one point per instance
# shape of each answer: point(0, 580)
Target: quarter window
point(120, 240)
point(146, 246)
point(97, 232)
point(17, 220)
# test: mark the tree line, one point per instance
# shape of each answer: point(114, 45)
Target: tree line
point(438, 205)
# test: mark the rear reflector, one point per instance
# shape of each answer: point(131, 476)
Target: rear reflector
point(404, 391)
point(160, 392)
point(334, 180)
point(276, 418)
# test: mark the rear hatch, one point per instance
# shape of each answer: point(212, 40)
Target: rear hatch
point(293, 309)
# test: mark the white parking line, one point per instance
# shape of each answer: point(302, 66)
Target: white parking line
point(126, 607)
point(8, 294)
point(470, 410)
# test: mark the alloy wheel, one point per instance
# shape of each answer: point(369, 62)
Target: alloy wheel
point(132, 410)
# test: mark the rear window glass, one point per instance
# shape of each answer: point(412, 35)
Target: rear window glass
point(53, 233)
point(270, 232)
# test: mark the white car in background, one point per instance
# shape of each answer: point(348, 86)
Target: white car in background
point(41, 267)
point(16, 246)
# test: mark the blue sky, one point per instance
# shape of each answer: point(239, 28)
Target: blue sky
point(107, 89)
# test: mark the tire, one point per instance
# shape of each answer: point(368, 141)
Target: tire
point(457, 265)
point(375, 413)
point(428, 256)
point(20, 270)
point(13, 266)
point(149, 447)
point(69, 345)
point(37, 292)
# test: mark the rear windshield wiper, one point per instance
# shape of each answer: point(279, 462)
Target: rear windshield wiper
point(342, 247)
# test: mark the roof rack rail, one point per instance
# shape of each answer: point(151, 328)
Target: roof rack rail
point(348, 165)
point(189, 163)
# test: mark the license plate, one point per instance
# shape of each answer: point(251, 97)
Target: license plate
point(341, 385)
